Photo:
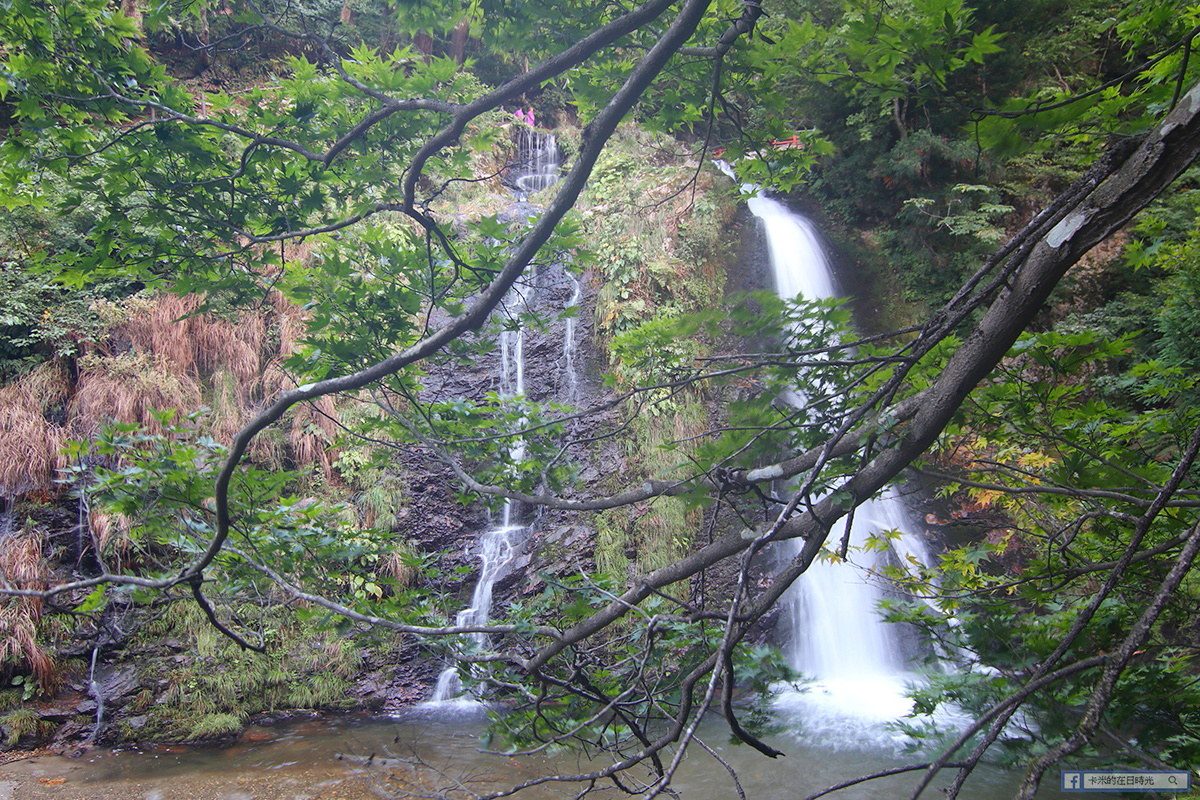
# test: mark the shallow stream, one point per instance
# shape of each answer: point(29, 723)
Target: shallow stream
point(324, 759)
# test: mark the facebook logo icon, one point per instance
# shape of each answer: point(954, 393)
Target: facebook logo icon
point(1072, 780)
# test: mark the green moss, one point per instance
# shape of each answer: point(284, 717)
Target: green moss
point(142, 701)
point(611, 543)
point(661, 255)
point(303, 667)
point(662, 531)
point(658, 251)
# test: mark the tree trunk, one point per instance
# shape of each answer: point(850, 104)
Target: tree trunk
point(132, 9)
point(458, 40)
point(423, 43)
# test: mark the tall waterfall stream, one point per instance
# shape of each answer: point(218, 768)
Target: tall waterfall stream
point(537, 168)
point(857, 664)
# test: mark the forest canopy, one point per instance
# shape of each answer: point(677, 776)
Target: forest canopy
point(1018, 177)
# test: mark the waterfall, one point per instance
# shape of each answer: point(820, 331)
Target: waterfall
point(570, 388)
point(538, 161)
point(97, 692)
point(501, 544)
point(498, 547)
point(798, 261)
point(855, 662)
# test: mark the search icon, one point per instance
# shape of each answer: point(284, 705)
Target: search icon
point(1171, 779)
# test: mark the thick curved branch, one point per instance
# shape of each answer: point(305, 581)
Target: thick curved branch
point(599, 131)
point(551, 67)
point(744, 24)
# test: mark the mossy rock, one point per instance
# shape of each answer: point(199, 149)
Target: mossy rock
point(22, 723)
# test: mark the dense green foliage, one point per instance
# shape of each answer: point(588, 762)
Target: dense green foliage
point(329, 165)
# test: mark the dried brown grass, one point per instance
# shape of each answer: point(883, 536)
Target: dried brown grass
point(232, 346)
point(273, 380)
point(160, 327)
point(300, 252)
point(163, 350)
point(49, 384)
point(239, 357)
point(395, 566)
point(126, 389)
point(199, 343)
point(312, 433)
point(266, 449)
point(230, 411)
point(30, 445)
point(22, 567)
point(291, 322)
point(111, 531)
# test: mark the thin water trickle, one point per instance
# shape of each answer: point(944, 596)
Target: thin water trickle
point(501, 544)
point(97, 693)
point(570, 375)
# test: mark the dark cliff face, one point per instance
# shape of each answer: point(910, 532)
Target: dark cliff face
point(558, 541)
point(434, 521)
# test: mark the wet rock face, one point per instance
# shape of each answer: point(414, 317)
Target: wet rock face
point(434, 521)
point(397, 681)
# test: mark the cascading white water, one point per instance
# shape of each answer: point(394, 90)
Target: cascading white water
point(856, 663)
point(570, 375)
point(538, 161)
point(798, 261)
point(499, 545)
